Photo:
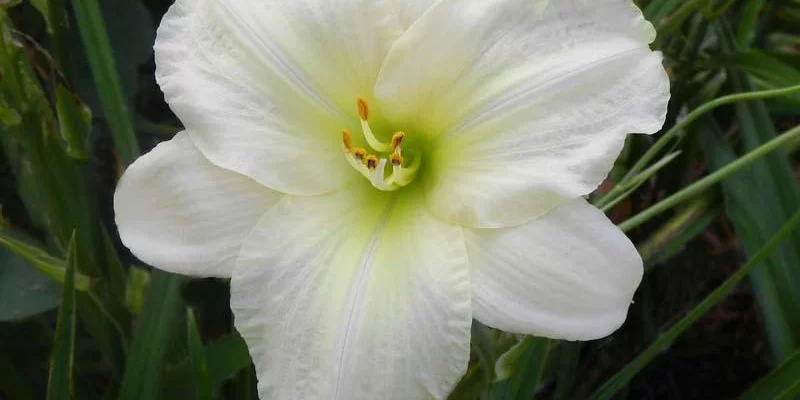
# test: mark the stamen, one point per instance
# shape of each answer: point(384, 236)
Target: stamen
point(372, 166)
point(377, 179)
point(397, 140)
point(363, 112)
point(397, 160)
point(363, 109)
point(402, 176)
point(347, 140)
point(359, 154)
point(371, 161)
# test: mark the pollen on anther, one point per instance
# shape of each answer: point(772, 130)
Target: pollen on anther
point(359, 153)
point(347, 140)
point(397, 139)
point(371, 161)
point(363, 109)
point(397, 159)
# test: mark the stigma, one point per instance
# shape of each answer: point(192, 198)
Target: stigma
point(373, 166)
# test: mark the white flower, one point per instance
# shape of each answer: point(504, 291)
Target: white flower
point(359, 259)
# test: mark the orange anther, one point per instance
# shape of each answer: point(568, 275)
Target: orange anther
point(347, 140)
point(371, 161)
point(363, 109)
point(397, 139)
point(397, 159)
point(359, 153)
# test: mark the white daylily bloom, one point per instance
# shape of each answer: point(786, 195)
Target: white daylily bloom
point(372, 174)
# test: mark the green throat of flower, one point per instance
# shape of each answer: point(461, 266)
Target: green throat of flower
point(374, 165)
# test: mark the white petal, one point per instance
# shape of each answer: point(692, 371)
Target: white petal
point(264, 87)
point(571, 274)
point(528, 102)
point(408, 11)
point(351, 296)
point(177, 211)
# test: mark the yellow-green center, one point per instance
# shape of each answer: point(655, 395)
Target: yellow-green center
point(384, 166)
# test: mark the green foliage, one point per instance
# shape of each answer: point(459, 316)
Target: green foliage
point(709, 191)
point(618, 381)
point(781, 384)
point(162, 306)
point(524, 366)
point(24, 291)
point(59, 386)
point(106, 77)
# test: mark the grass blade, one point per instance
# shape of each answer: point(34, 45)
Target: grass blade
point(59, 385)
point(782, 383)
point(162, 307)
point(101, 60)
point(568, 359)
point(225, 358)
point(527, 362)
point(678, 231)
point(748, 219)
point(698, 112)
point(197, 359)
point(778, 287)
point(703, 184)
point(53, 267)
point(618, 381)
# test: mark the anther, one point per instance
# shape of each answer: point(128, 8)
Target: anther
point(363, 109)
point(397, 159)
point(371, 161)
point(397, 140)
point(359, 153)
point(347, 140)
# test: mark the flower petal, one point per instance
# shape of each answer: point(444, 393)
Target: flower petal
point(178, 212)
point(264, 87)
point(354, 295)
point(570, 274)
point(527, 102)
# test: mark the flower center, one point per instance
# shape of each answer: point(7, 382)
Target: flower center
point(373, 166)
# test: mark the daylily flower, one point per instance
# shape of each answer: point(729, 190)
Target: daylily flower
point(374, 174)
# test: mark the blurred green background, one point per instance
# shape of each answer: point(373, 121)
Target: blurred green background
point(711, 202)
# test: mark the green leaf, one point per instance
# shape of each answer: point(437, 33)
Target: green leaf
point(684, 226)
point(471, 385)
point(748, 25)
point(567, 369)
point(748, 218)
point(106, 78)
point(782, 383)
point(484, 347)
point(131, 38)
point(768, 70)
point(621, 378)
point(778, 288)
point(524, 366)
point(43, 6)
point(710, 180)
point(674, 132)
point(75, 123)
point(197, 359)
point(156, 328)
point(136, 289)
point(24, 291)
point(59, 385)
point(225, 358)
point(52, 267)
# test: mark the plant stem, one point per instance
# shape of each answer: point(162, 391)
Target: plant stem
point(710, 180)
